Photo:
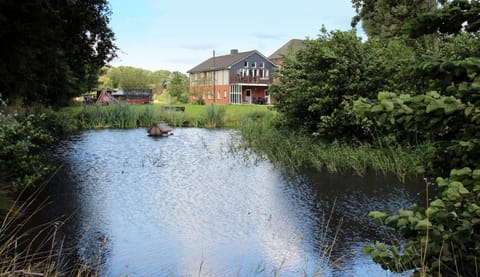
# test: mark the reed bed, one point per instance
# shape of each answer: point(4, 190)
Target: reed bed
point(125, 116)
point(294, 150)
point(215, 116)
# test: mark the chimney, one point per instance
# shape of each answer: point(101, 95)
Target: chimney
point(233, 51)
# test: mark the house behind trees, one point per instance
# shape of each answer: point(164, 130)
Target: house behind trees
point(239, 77)
point(236, 78)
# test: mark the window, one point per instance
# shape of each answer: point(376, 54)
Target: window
point(218, 95)
point(262, 65)
point(225, 94)
point(245, 64)
point(254, 64)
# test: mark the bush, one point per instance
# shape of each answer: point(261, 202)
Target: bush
point(21, 155)
point(442, 239)
point(23, 138)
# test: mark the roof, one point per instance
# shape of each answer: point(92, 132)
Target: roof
point(289, 48)
point(221, 62)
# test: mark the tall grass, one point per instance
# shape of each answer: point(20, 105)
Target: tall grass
point(34, 251)
point(124, 116)
point(112, 116)
point(215, 116)
point(295, 150)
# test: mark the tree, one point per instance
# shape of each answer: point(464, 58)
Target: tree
point(316, 81)
point(53, 50)
point(129, 77)
point(132, 78)
point(385, 18)
point(320, 83)
point(159, 79)
point(178, 86)
point(443, 239)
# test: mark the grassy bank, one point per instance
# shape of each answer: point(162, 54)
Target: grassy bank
point(257, 125)
point(291, 149)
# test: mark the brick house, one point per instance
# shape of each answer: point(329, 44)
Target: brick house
point(240, 78)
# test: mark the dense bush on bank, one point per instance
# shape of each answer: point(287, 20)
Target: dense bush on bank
point(399, 89)
point(290, 148)
point(24, 137)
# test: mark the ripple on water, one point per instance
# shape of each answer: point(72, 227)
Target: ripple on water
point(168, 205)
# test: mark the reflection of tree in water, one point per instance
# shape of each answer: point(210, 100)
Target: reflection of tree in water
point(80, 242)
point(335, 210)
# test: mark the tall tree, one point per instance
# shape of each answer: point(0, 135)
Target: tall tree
point(443, 238)
point(132, 78)
point(316, 81)
point(385, 18)
point(52, 50)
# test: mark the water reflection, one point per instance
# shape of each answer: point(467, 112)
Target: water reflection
point(185, 205)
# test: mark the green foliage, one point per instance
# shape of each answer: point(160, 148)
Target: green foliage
point(113, 116)
point(215, 116)
point(317, 80)
point(319, 85)
point(53, 50)
point(345, 124)
point(414, 119)
point(385, 18)
point(23, 138)
point(453, 17)
point(178, 86)
point(444, 121)
point(260, 134)
point(444, 237)
point(389, 66)
point(129, 77)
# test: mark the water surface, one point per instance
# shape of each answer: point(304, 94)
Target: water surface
point(186, 205)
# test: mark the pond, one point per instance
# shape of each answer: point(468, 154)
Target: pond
point(187, 205)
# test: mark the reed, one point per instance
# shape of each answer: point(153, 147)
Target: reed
point(215, 116)
point(295, 150)
point(120, 116)
point(34, 251)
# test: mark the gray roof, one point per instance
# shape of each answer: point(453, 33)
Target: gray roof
point(289, 48)
point(221, 62)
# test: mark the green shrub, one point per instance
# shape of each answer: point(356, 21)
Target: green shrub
point(22, 158)
point(442, 239)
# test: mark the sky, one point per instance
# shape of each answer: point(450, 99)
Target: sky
point(177, 35)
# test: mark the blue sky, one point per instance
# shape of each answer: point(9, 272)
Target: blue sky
point(177, 35)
